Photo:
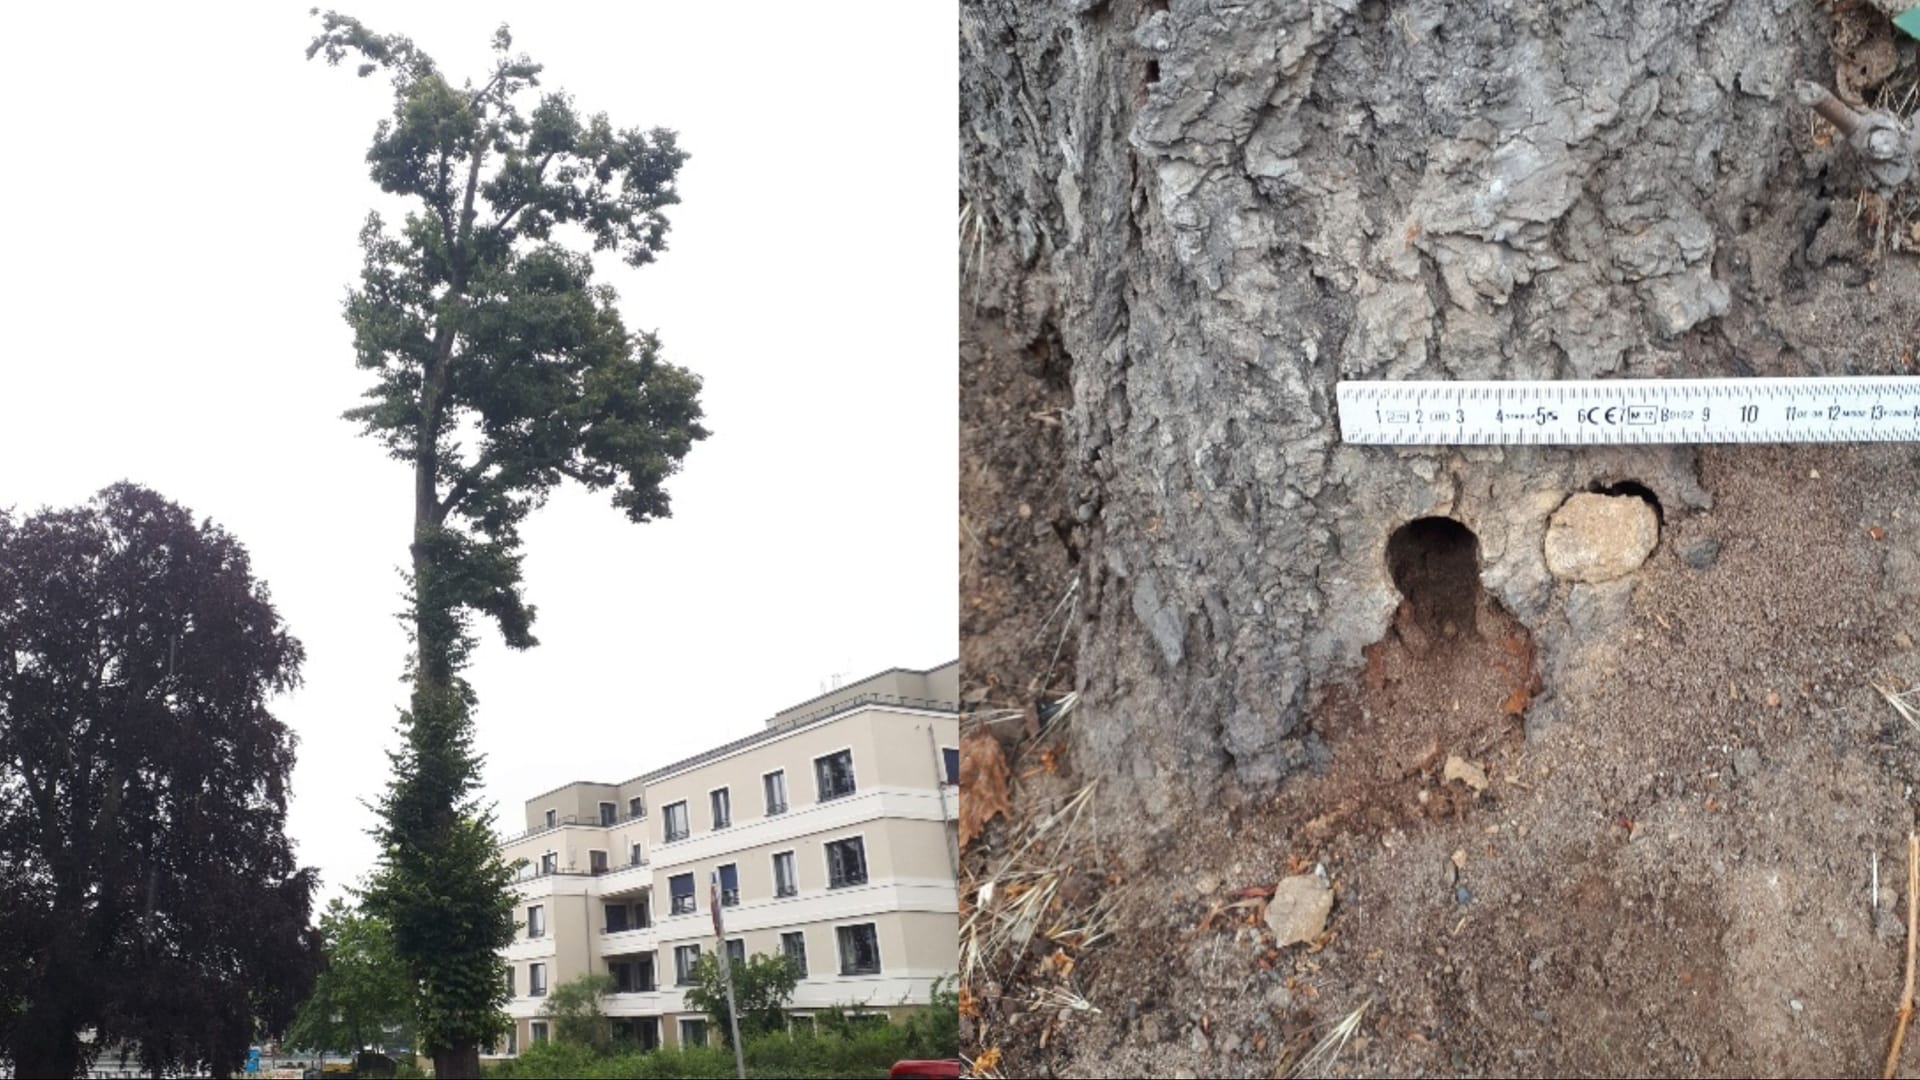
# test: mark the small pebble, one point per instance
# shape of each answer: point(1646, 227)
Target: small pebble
point(1461, 895)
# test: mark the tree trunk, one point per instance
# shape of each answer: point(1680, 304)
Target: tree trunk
point(1223, 209)
point(45, 1042)
point(457, 1063)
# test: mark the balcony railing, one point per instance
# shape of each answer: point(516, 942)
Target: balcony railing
point(590, 820)
point(786, 890)
point(683, 905)
point(677, 834)
point(729, 897)
point(841, 881)
point(776, 807)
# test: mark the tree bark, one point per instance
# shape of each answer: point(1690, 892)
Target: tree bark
point(1223, 209)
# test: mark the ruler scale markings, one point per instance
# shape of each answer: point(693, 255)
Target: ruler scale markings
point(1633, 411)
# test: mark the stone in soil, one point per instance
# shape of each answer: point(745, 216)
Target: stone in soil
point(1594, 538)
point(1299, 908)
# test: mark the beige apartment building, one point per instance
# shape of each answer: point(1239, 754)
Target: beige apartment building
point(830, 830)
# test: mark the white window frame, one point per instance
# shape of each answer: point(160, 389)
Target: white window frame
point(743, 950)
point(786, 796)
point(853, 764)
point(695, 946)
point(642, 800)
point(637, 854)
point(695, 910)
point(801, 933)
point(826, 859)
point(704, 1030)
point(793, 862)
point(536, 913)
point(606, 860)
point(537, 1031)
point(553, 817)
point(721, 790)
point(666, 822)
point(944, 781)
point(513, 983)
point(536, 979)
point(545, 868)
point(723, 883)
point(879, 961)
point(606, 818)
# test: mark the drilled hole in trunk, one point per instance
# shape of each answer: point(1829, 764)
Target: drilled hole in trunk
point(1435, 563)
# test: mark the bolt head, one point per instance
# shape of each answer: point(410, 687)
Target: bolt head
point(1884, 143)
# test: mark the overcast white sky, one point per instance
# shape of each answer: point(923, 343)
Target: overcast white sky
point(183, 205)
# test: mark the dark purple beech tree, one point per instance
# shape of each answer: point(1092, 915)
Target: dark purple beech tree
point(147, 888)
point(500, 370)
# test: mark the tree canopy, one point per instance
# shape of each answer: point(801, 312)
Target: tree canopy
point(362, 997)
point(574, 1009)
point(499, 369)
point(147, 886)
point(762, 986)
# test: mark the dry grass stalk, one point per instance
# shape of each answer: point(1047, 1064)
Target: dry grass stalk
point(1913, 928)
point(1320, 1060)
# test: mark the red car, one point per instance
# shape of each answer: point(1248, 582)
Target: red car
point(929, 1070)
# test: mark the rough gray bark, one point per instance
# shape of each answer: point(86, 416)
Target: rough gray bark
point(1222, 208)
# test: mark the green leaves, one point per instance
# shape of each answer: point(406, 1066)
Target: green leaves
point(363, 997)
point(500, 369)
point(762, 986)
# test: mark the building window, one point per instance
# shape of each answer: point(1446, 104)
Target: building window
point(676, 824)
point(513, 1041)
point(680, 887)
point(643, 973)
point(609, 813)
point(647, 1031)
point(737, 951)
point(512, 991)
point(549, 863)
point(539, 1031)
point(617, 918)
point(835, 775)
point(536, 922)
point(685, 958)
point(784, 883)
point(643, 913)
point(950, 759)
point(859, 950)
point(597, 861)
point(794, 947)
point(775, 784)
point(693, 1032)
point(536, 980)
point(638, 858)
point(553, 818)
point(729, 885)
point(622, 973)
point(846, 862)
point(636, 807)
point(722, 808)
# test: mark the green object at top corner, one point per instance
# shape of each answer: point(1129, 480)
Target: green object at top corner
point(1909, 21)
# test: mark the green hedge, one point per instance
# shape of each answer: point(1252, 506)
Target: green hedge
point(839, 1048)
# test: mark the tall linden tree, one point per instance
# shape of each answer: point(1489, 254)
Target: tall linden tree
point(500, 369)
